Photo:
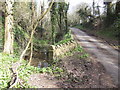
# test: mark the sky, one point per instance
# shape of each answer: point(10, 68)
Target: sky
point(73, 3)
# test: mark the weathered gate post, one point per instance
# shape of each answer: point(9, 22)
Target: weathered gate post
point(51, 53)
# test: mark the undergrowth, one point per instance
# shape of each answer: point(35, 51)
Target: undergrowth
point(5, 65)
point(111, 32)
point(67, 37)
point(24, 71)
point(77, 49)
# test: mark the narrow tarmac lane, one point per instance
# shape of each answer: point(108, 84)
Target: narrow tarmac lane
point(100, 51)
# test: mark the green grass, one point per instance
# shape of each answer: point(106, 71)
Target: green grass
point(84, 55)
point(70, 53)
point(109, 33)
point(79, 27)
point(79, 49)
point(63, 41)
point(67, 38)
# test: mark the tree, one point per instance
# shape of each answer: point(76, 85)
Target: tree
point(85, 13)
point(62, 22)
point(22, 20)
point(33, 30)
point(53, 21)
point(109, 18)
point(108, 8)
point(93, 7)
point(117, 9)
point(42, 10)
point(32, 22)
point(9, 37)
point(98, 9)
point(66, 18)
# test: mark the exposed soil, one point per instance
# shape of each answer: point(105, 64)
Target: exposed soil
point(79, 73)
point(100, 70)
point(99, 50)
point(85, 73)
point(43, 81)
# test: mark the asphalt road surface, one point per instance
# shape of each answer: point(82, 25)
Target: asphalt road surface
point(100, 50)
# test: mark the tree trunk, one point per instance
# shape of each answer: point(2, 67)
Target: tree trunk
point(53, 21)
point(9, 37)
point(117, 10)
point(108, 9)
point(66, 23)
point(42, 10)
point(66, 20)
point(32, 22)
point(35, 26)
point(93, 6)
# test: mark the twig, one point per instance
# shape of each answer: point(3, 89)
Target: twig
point(32, 33)
point(31, 54)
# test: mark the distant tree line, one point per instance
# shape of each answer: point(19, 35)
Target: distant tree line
point(91, 16)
